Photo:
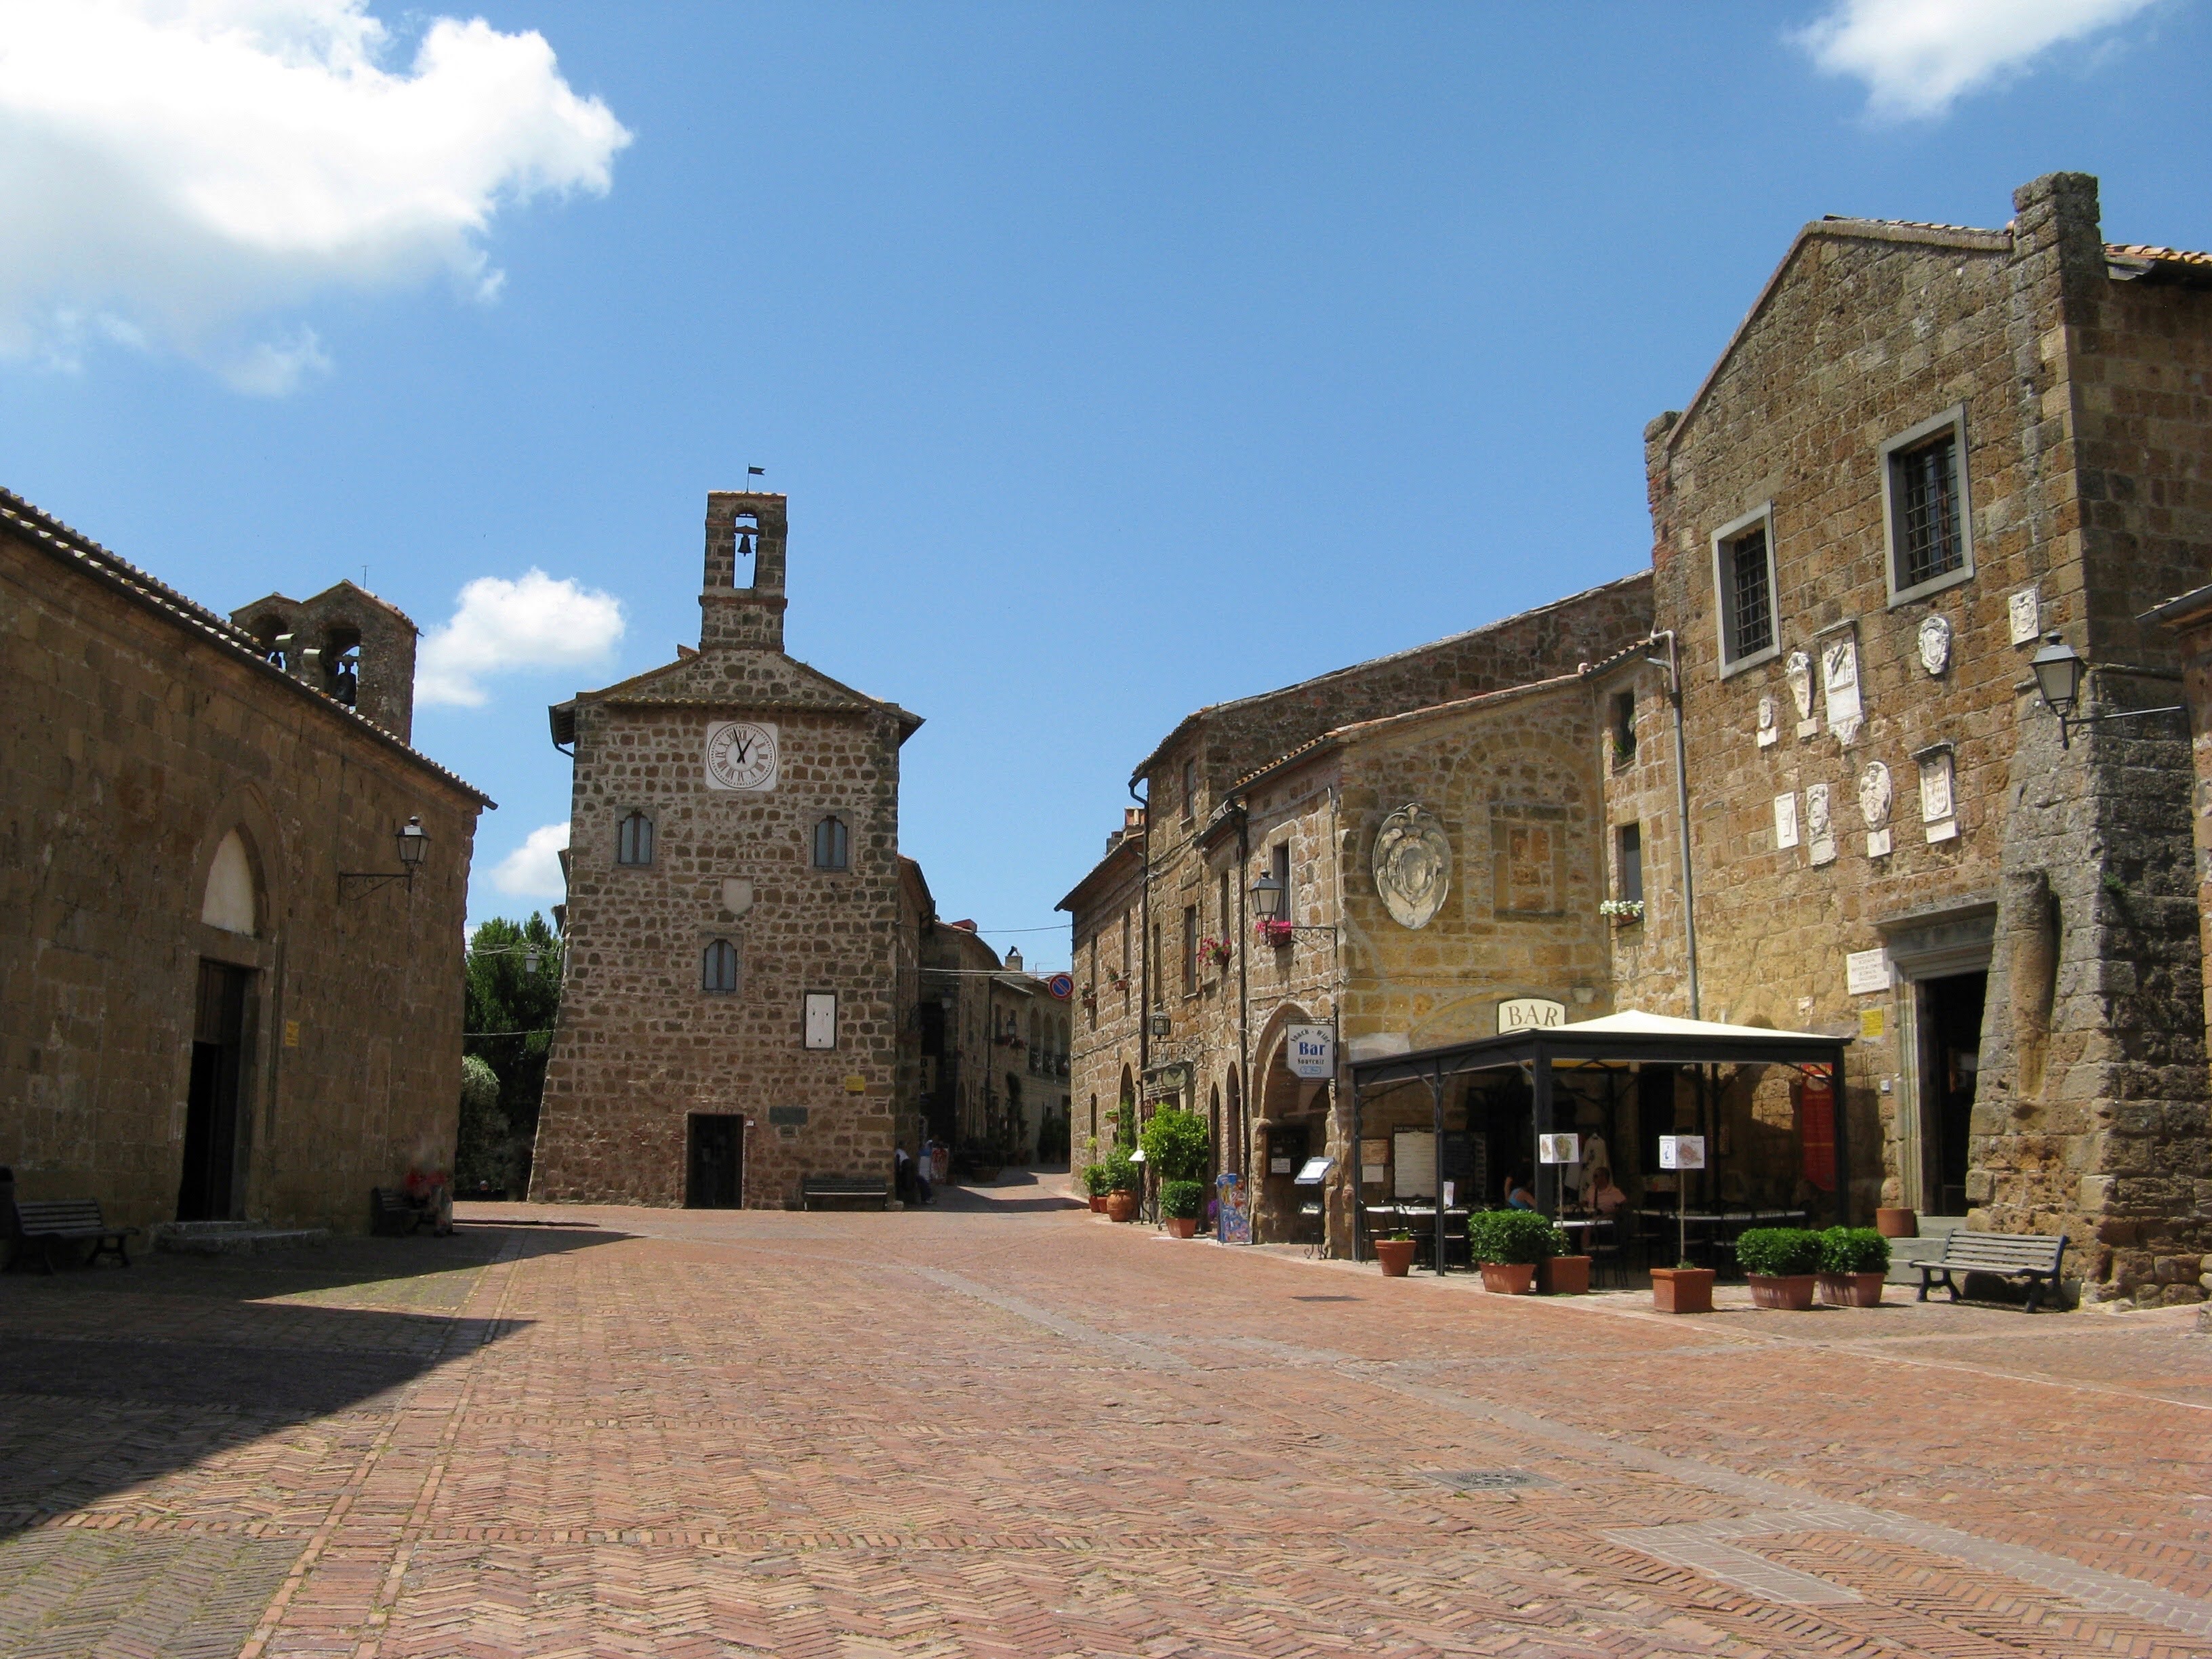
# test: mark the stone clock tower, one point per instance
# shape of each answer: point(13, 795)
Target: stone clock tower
point(729, 1022)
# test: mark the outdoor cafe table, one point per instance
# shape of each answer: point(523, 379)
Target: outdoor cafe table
point(1419, 1219)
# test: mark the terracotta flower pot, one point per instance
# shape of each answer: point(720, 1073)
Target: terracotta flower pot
point(1396, 1256)
point(1564, 1275)
point(1510, 1278)
point(1792, 1292)
point(1682, 1290)
point(1098, 1204)
point(1120, 1206)
point(1893, 1221)
point(1183, 1226)
point(1851, 1289)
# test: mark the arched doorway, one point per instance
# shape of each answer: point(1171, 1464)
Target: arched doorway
point(1291, 1124)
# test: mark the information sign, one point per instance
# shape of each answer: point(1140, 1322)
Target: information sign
point(1311, 1050)
point(1558, 1149)
point(1682, 1152)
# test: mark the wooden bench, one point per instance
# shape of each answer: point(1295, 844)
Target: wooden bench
point(2033, 1256)
point(814, 1187)
point(48, 1222)
point(392, 1213)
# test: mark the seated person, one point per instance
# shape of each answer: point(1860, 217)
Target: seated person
point(1602, 1195)
point(1517, 1195)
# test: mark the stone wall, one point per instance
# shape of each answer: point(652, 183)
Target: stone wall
point(146, 732)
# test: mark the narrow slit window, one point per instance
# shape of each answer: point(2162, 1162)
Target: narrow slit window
point(718, 969)
point(1631, 863)
point(634, 841)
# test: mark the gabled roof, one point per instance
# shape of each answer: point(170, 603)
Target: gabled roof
point(90, 560)
point(699, 681)
point(1124, 857)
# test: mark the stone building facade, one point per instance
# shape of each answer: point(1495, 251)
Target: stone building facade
point(1180, 1001)
point(220, 1000)
point(1926, 449)
point(1804, 775)
point(731, 1019)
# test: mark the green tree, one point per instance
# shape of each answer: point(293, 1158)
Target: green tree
point(486, 1150)
point(1177, 1144)
point(511, 1014)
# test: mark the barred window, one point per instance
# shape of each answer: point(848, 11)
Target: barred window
point(1748, 596)
point(1924, 485)
point(832, 844)
point(718, 968)
point(634, 843)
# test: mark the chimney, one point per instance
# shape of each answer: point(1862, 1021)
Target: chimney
point(742, 603)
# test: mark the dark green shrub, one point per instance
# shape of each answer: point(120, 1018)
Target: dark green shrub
point(1177, 1144)
point(1123, 1175)
point(1185, 1201)
point(1854, 1250)
point(1095, 1182)
point(1512, 1238)
point(1779, 1252)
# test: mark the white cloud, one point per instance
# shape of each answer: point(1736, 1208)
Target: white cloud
point(533, 869)
point(1919, 57)
point(173, 174)
point(500, 626)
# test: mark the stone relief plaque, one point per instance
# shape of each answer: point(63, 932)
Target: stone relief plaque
point(1819, 824)
point(1866, 972)
point(1839, 684)
point(1797, 669)
point(737, 894)
point(1786, 821)
point(2024, 611)
point(1413, 866)
point(1938, 794)
point(1767, 732)
point(1875, 794)
point(742, 755)
point(1935, 644)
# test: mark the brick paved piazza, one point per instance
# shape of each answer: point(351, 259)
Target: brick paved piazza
point(1004, 1427)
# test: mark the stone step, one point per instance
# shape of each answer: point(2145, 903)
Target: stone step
point(232, 1237)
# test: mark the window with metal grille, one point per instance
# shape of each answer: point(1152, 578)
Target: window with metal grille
point(634, 843)
point(1924, 485)
point(718, 968)
point(1748, 599)
point(832, 844)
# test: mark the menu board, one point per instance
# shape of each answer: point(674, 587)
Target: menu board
point(1414, 1164)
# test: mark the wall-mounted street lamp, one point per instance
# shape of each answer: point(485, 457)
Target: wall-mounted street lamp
point(2059, 671)
point(1267, 905)
point(414, 846)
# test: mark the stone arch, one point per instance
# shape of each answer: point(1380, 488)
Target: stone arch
point(1286, 1110)
point(241, 839)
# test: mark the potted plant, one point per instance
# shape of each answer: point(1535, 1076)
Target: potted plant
point(1181, 1202)
point(1854, 1262)
point(1122, 1178)
point(1096, 1183)
point(1510, 1245)
point(1683, 1289)
point(1563, 1275)
point(1277, 934)
point(1395, 1252)
point(1781, 1263)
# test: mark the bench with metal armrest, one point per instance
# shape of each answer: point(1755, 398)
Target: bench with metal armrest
point(2033, 1256)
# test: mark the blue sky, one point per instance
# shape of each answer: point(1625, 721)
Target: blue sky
point(1116, 359)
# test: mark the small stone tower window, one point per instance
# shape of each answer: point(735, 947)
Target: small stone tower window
point(634, 841)
point(832, 844)
point(718, 969)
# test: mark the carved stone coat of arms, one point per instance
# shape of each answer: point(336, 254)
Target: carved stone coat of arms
point(1413, 866)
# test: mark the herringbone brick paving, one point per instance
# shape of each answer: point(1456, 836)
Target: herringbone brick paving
point(991, 1429)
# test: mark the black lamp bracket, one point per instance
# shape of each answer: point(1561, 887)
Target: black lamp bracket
point(370, 880)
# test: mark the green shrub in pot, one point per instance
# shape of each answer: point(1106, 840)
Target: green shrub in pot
point(1183, 1199)
point(1122, 1172)
point(1177, 1144)
point(1854, 1250)
point(1513, 1237)
point(1095, 1181)
point(1779, 1252)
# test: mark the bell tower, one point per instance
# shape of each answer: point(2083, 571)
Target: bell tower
point(742, 603)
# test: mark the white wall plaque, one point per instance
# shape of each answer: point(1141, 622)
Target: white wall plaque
point(1939, 802)
point(1786, 821)
point(1866, 972)
point(1878, 843)
point(2024, 609)
point(1797, 670)
point(1819, 824)
point(737, 894)
point(1839, 684)
point(742, 755)
point(821, 1019)
point(1311, 1050)
point(1413, 866)
point(1936, 642)
point(1768, 731)
point(1682, 1152)
point(1530, 1014)
point(1558, 1149)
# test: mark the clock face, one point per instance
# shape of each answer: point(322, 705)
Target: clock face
point(741, 755)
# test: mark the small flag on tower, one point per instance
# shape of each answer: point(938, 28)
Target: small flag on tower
point(755, 472)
